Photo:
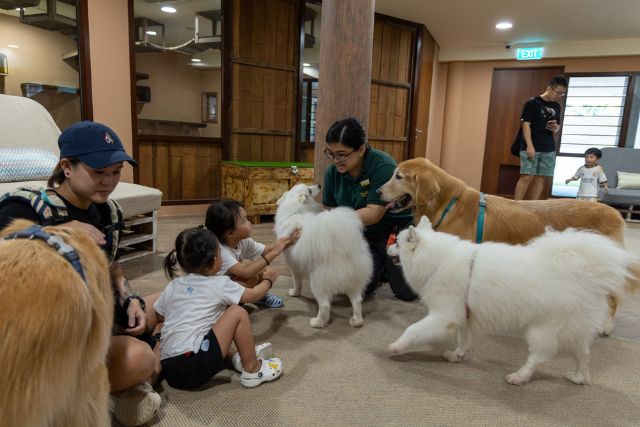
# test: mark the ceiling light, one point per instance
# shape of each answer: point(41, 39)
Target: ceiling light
point(168, 9)
point(306, 64)
point(196, 60)
point(151, 33)
point(504, 25)
point(15, 46)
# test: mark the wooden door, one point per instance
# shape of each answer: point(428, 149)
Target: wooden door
point(264, 79)
point(510, 88)
point(391, 87)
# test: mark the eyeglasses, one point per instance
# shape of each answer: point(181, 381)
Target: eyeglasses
point(339, 157)
point(559, 92)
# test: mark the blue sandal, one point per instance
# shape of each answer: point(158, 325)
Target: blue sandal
point(271, 301)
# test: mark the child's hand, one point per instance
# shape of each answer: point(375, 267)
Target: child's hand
point(568, 181)
point(270, 273)
point(281, 244)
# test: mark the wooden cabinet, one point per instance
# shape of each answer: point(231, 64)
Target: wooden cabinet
point(258, 185)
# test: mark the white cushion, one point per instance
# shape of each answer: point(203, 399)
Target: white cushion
point(137, 199)
point(629, 180)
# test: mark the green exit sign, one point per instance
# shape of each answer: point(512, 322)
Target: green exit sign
point(528, 53)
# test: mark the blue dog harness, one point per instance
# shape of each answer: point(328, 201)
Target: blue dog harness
point(479, 223)
point(56, 242)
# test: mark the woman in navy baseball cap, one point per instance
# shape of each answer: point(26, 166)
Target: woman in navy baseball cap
point(91, 161)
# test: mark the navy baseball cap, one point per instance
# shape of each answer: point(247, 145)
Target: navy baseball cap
point(94, 144)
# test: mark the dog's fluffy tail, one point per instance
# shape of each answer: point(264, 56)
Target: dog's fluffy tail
point(604, 266)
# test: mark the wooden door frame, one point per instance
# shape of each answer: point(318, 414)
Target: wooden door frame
point(484, 183)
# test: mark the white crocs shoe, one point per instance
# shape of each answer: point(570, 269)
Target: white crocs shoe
point(136, 405)
point(263, 351)
point(270, 370)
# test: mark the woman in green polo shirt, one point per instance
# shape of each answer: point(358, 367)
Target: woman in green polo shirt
point(353, 180)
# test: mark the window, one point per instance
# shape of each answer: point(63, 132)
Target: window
point(594, 116)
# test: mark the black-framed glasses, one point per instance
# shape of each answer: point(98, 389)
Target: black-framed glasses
point(339, 157)
point(559, 92)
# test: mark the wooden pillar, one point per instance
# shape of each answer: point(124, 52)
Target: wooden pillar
point(346, 46)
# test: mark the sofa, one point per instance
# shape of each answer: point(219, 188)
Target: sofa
point(29, 145)
point(622, 168)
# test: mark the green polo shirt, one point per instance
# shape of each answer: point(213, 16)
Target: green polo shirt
point(344, 190)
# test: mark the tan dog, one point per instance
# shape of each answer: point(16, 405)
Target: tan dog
point(422, 186)
point(55, 331)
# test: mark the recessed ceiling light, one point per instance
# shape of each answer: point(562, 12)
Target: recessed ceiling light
point(168, 9)
point(306, 64)
point(151, 33)
point(504, 25)
point(196, 60)
point(15, 46)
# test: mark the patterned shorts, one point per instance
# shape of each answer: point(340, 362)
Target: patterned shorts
point(542, 163)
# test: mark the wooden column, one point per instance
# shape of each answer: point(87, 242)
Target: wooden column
point(346, 46)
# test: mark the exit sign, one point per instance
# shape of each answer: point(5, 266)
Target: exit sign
point(528, 53)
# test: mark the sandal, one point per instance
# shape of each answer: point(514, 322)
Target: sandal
point(271, 301)
point(270, 370)
point(263, 351)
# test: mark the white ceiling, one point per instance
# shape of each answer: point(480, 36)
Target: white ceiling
point(465, 29)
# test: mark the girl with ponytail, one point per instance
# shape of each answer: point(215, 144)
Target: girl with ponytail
point(202, 317)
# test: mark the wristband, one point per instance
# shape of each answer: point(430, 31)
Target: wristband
point(265, 259)
point(130, 298)
point(269, 280)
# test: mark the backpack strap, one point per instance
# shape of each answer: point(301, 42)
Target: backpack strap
point(45, 202)
point(117, 224)
point(51, 210)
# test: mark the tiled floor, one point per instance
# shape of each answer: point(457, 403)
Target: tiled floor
point(146, 274)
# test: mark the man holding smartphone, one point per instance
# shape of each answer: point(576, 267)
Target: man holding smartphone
point(540, 119)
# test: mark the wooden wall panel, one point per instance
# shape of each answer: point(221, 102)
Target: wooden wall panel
point(254, 147)
point(186, 170)
point(391, 87)
point(264, 75)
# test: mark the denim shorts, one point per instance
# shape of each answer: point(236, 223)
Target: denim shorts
point(543, 163)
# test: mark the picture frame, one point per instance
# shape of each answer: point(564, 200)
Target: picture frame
point(210, 107)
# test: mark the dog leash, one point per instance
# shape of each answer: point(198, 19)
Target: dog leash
point(480, 222)
point(446, 211)
point(56, 242)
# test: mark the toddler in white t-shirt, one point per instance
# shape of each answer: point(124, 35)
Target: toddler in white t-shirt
point(202, 318)
point(591, 176)
point(228, 220)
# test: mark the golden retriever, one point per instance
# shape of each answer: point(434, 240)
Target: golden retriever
point(55, 329)
point(427, 189)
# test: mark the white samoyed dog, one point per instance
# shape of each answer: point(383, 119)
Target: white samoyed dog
point(554, 289)
point(331, 251)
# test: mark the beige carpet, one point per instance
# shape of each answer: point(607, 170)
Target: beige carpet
point(343, 376)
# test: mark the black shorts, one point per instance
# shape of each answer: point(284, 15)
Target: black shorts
point(192, 370)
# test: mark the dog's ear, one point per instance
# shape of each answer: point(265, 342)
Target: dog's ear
point(424, 223)
point(302, 197)
point(426, 187)
point(412, 234)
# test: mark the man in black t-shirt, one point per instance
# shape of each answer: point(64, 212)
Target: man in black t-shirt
point(540, 119)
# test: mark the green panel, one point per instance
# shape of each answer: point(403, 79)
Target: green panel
point(251, 164)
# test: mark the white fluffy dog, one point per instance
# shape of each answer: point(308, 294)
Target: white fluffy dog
point(331, 251)
point(554, 289)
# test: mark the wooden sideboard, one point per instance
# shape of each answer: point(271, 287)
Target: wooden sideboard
point(258, 185)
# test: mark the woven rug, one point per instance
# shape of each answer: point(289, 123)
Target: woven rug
point(344, 376)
